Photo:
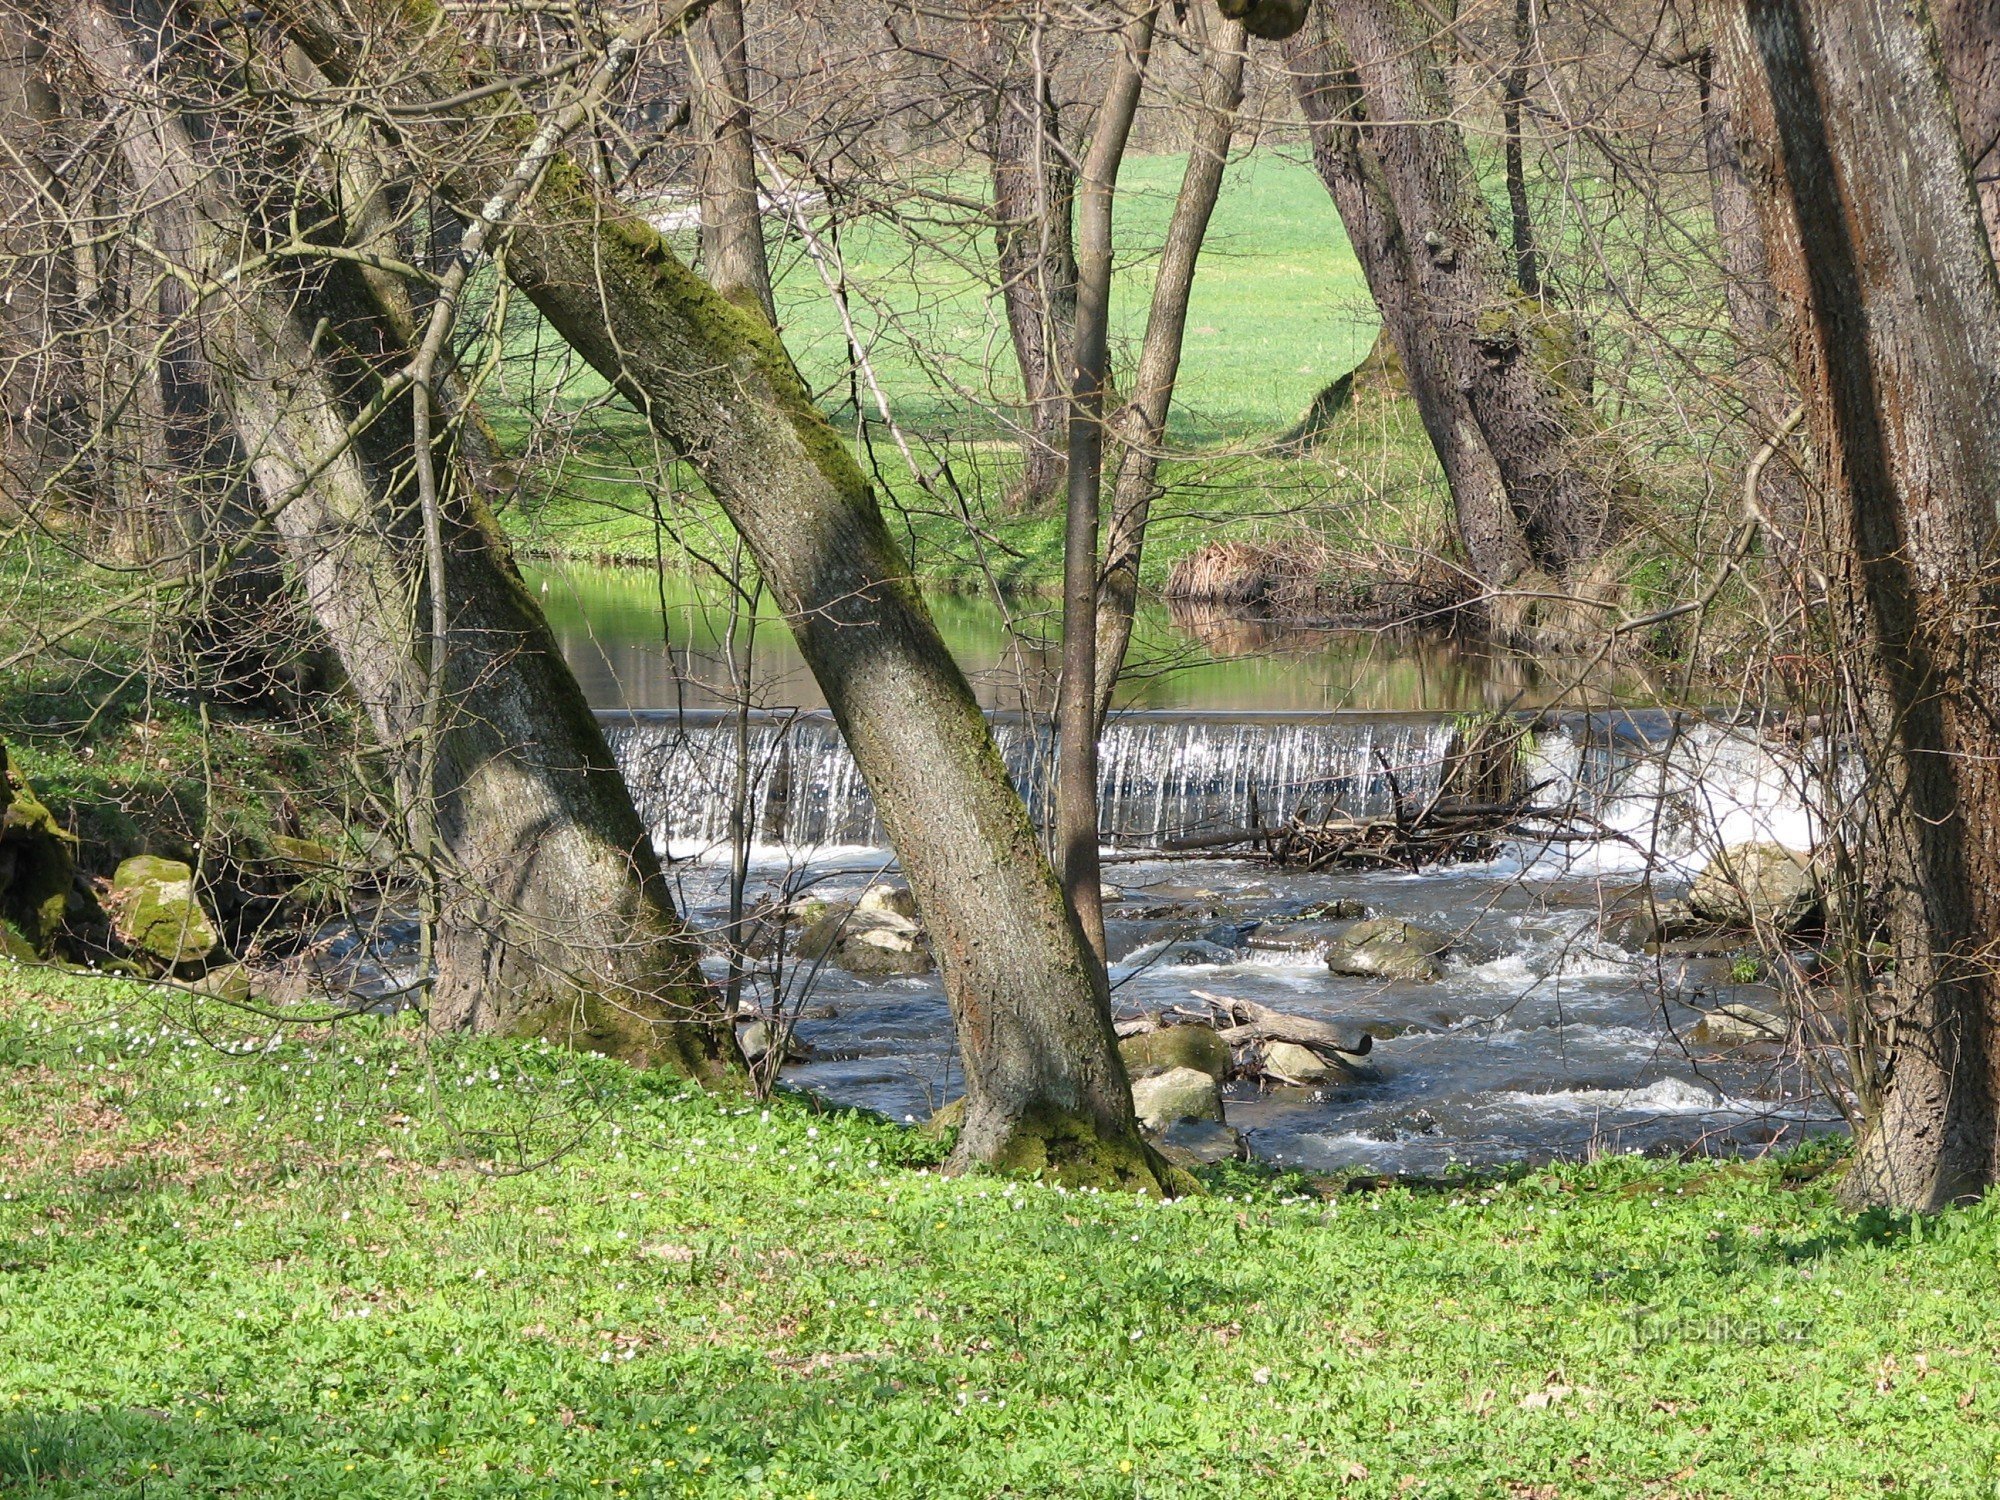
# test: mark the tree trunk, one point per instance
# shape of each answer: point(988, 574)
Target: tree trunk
point(1514, 93)
point(1879, 254)
point(1045, 1087)
point(1076, 703)
point(1329, 96)
point(557, 920)
point(732, 221)
point(1767, 390)
point(1140, 428)
point(1034, 190)
point(1968, 34)
point(1492, 338)
point(36, 387)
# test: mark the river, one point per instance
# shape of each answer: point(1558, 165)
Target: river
point(1545, 1038)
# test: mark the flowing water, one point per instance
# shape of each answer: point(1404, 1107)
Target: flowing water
point(1544, 1038)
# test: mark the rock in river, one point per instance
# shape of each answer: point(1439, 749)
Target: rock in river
point(1178, 1094)
point(1196, 1047)
point(1756, 885)
point(1388, 948)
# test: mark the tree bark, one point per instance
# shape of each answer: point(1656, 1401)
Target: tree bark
point(1968, 34)
point(1879, 254)
point(1768, 392)
point(1492, 338)
point(1034, 228)
point(732, 220)
point(557, 920)
point(35, 387)
point(1140, 427)
point(1330, 98)
point(1045, 1087)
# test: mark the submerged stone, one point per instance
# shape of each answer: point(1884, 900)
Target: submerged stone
point(154, 910)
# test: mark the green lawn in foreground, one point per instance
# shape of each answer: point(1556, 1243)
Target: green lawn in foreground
point(283, 1271)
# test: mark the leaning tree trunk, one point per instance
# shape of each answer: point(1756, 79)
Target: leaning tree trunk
point(1034, 210)
point(1329, 96)
point(556, 920)
point(732, 222)
point(1140, 427)
point(1878, 252)
point(1045, 1087)
point(1492, 337)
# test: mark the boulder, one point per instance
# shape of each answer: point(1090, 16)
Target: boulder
point(302, 856)
point(37, 866)
point(873, 942)
point(1295, 1064)
point(1178, 1094)
point(755, 1040)
point(1388, 948)
point(889, 900)
point(1756, 885)
point(155, 911)
point(1739, 1026)
point(1171, 1047)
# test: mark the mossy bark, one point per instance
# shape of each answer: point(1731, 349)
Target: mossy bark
point(717, 386)
point(555, 917)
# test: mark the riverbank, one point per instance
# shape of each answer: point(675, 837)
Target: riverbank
point(309, 1267)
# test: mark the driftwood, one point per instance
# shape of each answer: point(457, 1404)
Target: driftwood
point(1248, 1023)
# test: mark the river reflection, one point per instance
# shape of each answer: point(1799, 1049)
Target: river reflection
point(639, 639)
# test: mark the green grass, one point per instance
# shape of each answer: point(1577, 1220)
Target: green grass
point(312, 1270)
point(1280, 309)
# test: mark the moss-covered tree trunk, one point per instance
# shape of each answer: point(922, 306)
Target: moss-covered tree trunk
point(555, 918)
point(1045, 1087)
point(1880, 258)
point(1500, 348)
point(1329, 96)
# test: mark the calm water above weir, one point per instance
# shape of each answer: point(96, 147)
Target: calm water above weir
point(1546, 1036)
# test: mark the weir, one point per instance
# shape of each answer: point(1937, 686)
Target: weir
point(1162, 775)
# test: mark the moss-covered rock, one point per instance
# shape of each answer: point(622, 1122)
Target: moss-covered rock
point(37, 868)
point(154, 910)
point(1757, 885)
point(1179, 1094)
point(1171, 1047)
point(1387, 948)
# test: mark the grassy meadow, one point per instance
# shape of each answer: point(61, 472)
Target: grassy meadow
point(1280, 309)
point(350, 1262)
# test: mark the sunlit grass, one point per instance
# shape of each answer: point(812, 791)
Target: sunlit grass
point(307, 1268)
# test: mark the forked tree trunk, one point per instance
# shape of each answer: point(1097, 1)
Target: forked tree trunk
point(1045, 1087)
point(556, 919)
point(1329, 96)
point(732, 222)
point(1493, 340)
point(1140, 426)
point(1878, 253)
point(1034, 236)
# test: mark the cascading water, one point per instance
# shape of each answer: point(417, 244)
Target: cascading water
point(1161, 775)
